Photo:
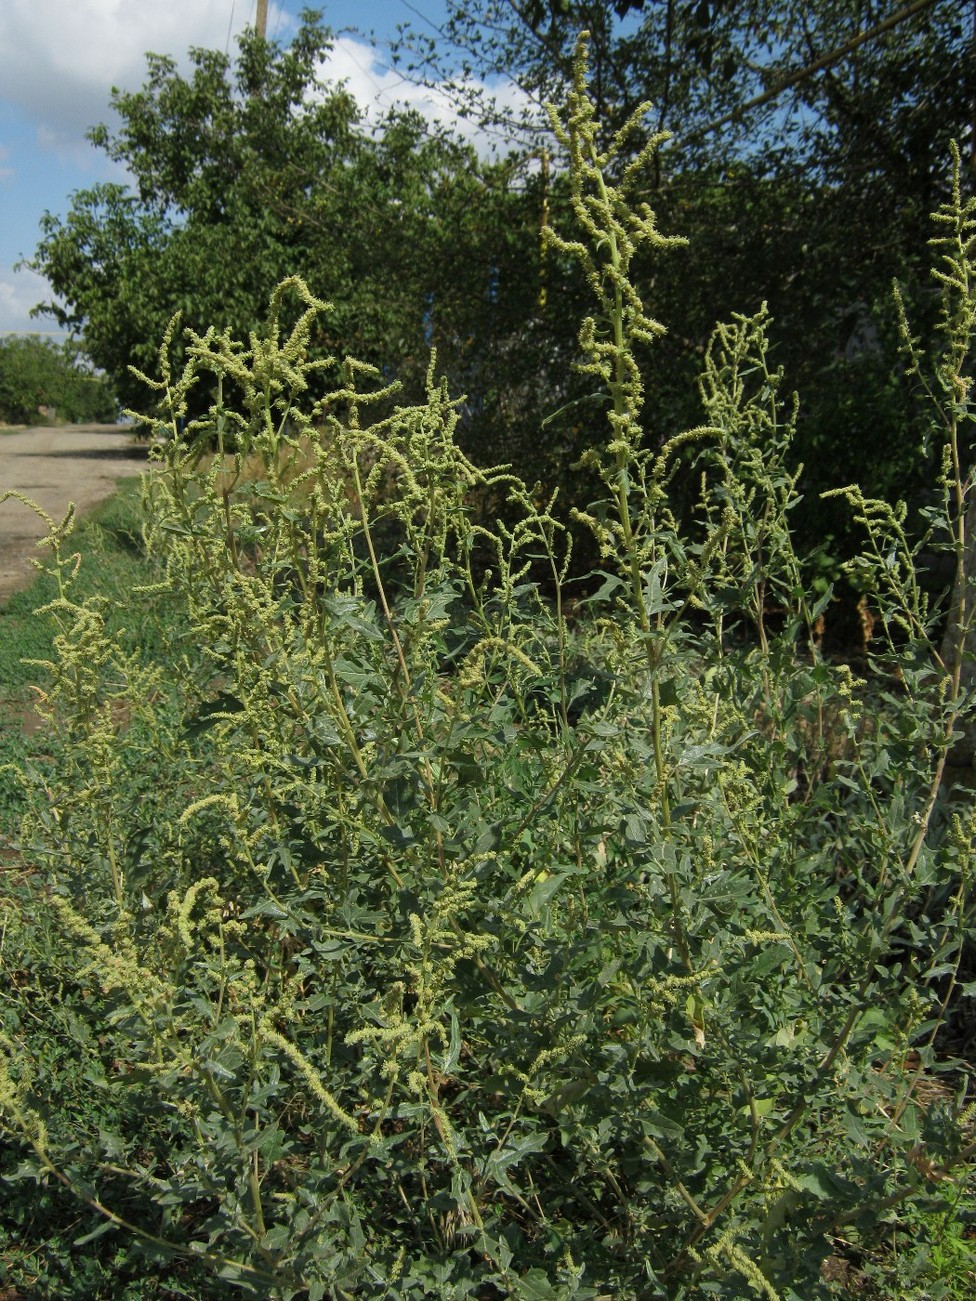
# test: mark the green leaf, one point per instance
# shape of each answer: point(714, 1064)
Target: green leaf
point(535, 1286)
point(453, 1054)
point(544, 888)
point(668, 693)
point(106, 1226)
point(827, 1184)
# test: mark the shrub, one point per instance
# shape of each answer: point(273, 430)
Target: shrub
point(421, 940)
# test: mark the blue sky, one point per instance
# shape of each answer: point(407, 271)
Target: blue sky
point(60, 58)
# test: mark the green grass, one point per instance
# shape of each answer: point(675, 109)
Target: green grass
point(113, 563)
point(927, 1253)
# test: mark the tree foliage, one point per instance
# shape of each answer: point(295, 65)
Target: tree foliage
point(38, 377)
point(790, 122)
point(247, 171)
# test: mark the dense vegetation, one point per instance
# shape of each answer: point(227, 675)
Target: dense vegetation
point(42, 381)
point(394, 923)
point(811, 143)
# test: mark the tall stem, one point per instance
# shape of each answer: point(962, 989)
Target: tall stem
point(625, 419)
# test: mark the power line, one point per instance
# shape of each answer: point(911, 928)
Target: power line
point(801, 74)
point(380, 91)
point(230, 27)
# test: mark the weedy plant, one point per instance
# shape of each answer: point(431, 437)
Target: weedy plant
point(416, 940)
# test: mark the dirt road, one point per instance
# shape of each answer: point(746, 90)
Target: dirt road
point(55, 466)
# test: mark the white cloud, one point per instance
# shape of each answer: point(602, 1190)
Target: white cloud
point(19, 292)
point(377, 89)
point(60, 58)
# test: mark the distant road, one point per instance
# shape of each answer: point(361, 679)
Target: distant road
point(54, 466)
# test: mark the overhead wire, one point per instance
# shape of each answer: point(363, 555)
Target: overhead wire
point(797, 75)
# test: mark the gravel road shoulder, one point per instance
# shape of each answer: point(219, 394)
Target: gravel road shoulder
point(55, 466)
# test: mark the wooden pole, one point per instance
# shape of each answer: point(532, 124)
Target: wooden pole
point(543, 223)
point(261, 20)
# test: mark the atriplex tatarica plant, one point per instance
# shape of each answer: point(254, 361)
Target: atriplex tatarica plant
point(401, 936)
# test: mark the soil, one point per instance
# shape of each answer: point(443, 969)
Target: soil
point(55, 466)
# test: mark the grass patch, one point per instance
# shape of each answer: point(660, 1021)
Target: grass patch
point(112, 565)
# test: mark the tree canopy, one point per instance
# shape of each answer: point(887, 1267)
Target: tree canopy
point(810, 143)
point(39, 377)
point(249, 170)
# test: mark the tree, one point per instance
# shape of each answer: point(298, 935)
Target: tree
point(38, 373)
point(246, 172)
point(221, 165)
point(811, 142)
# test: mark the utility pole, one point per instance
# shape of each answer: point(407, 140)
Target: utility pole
point(261, 20)
point(543, 225)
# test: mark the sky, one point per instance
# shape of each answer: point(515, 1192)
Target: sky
point(59, 60)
